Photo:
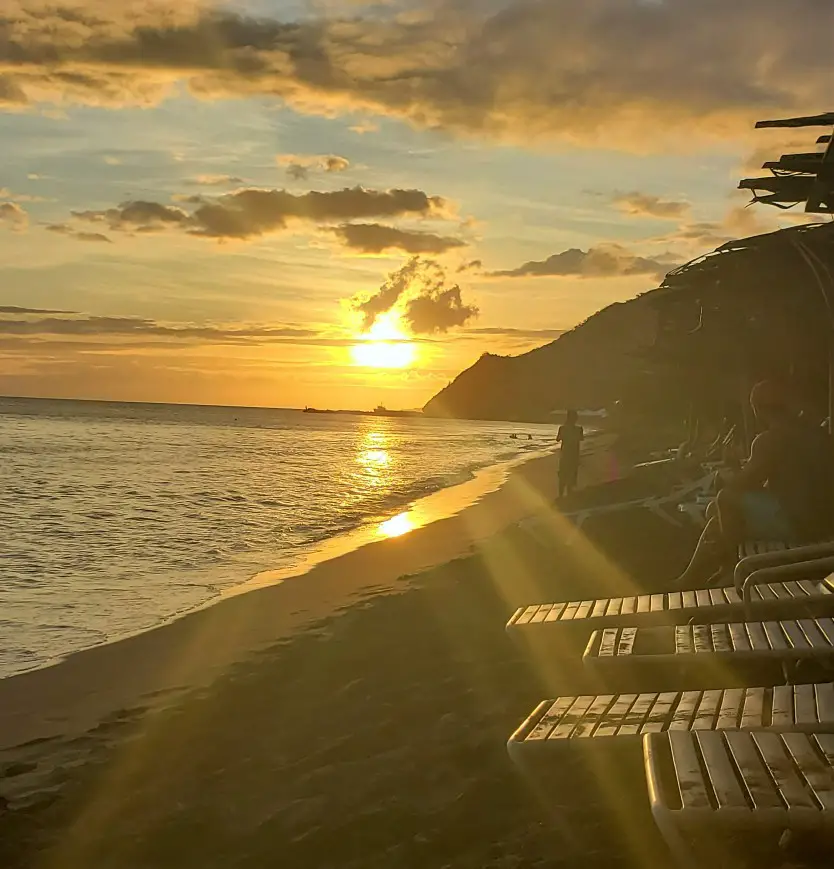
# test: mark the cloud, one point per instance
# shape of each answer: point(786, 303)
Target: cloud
point(506, 332)
point(602, 261)
point(140, 328)
point(253, 212)
point(298, 166)
point(13, 216)
point(14, 309)
point(215, 181)
point(647, 205)
point(426, 303)
point(646, 70)
point(69, 232)
point(376, 238)
point(438, 311)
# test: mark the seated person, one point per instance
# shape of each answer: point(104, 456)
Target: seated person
point(784, 492)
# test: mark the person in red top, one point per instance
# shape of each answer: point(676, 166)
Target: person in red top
point(570, 436)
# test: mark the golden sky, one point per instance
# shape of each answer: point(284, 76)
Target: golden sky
point(342, 204)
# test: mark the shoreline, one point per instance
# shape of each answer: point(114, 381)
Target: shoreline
point(191, 651)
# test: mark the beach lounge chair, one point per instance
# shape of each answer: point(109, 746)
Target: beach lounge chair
point(757, 556)
point(720, 795)
point(762, 597)
point(716, 655)
point(595, 722)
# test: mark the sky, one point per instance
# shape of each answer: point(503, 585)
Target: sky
point(341, 204)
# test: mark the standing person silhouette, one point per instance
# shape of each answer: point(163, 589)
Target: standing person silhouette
point(570, 437)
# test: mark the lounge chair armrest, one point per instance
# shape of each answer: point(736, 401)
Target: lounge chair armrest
point(786, 572)
point(751, 563)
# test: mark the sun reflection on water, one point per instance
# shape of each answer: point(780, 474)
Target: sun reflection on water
point(397, 525)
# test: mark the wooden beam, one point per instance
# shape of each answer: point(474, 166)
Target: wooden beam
point(808, 167)
point(825, 120)
point(796, 187)
point(822, 193)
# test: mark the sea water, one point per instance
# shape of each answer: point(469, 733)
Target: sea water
point(116, 517)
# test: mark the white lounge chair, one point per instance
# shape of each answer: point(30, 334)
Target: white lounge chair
point(724, 655)
point(719, 795)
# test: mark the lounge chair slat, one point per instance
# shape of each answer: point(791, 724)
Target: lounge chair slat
point(716, 596)
point(685, 709)
point(540, 616)
point(659, 714)
point(707, 710)
point(608, 643)
point(626, 643)
point(757, 595)
point(730, 711)
point(555, 612)
point(721, 638)
point(658, 603)
point(797, 588)
point(599, 608)
point(683, 639)
point(775, 635)
point(644, 603)
point(570, 610)
point(738, 635)
point(689, 599)
point(528, 614)
point(629, 605)
point(779, 591)
point(675, 600)
point(825, 701)
point(754, 774)
point(781, 768)
point(733, 597)
point(703, 638)
point(693, 791)
point(593, 716)
point(765, 591)
point(550, 719)
point(722, 774)
point(782, 711)
point(753, 715)
point(572, 717)
point(636, 716)
point(813, 769)
point(791, 589)
point(797, 639)
point(614, 606)
point(815, 636)
point(805, 704)
point(826, 625)
point(825, 741)
point(614, 717)
point(811, 588)
point(584, 609)
point(702, 597)
point(755, 631)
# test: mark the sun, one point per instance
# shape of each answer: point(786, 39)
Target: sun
point(384, 345)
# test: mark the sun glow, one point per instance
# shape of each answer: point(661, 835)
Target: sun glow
point(384, 345)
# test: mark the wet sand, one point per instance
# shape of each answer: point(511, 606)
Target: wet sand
point(354, 717)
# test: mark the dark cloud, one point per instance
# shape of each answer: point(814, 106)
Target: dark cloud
point(517, 333)
point(69, 232)
point(427, 304)
point(89, 326)
point(252, 212)
point(614, 71)
point(14, 309)
point(603, 261)
point(298, 166)
point(647, 205)
point(376, 238)
point(438, 311)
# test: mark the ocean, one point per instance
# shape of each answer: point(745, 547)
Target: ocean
point(117, 517)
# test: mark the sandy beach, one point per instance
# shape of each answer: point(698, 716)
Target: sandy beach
point(355, 716)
